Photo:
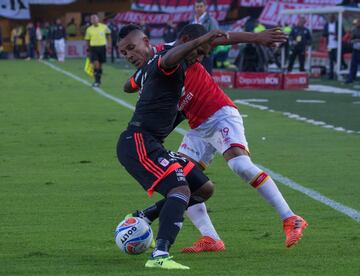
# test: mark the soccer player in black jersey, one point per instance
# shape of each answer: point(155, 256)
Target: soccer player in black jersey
point(140, 148)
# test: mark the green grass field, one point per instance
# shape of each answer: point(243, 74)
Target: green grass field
point(62, 190)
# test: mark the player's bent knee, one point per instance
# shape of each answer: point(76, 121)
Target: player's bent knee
point(182, 192)
point(244, 167)
point(205, 191)
point(234, 152)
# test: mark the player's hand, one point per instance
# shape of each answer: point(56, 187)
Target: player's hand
point(271, 37)
point(212, 35)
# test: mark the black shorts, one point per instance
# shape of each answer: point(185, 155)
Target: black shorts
point(155, 168)
point(98, 53)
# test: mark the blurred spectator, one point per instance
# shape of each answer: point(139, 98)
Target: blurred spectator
point(259, 27)
point(85, 24)
point(204, 18)
point(346, 44)
point(252, 58)
point(145, 28)
point(277, 55)
point(39, 47)
point(299, 40)
point(330, 33)
point(350, 3)
point(71, 28)
point(30, 40)
point(169, 32)
point(286, 29)
point(1, 44)
point(46, 41)
point(59, 40)
point(16, 40)
point(114, 38)
point(355, 58)
point(158, 4)
point(221, 54)
point(250, 25)
point(51, 41)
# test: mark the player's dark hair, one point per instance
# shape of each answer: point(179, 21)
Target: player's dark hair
point(201, 1)
point(192, 31)
point(124, 31)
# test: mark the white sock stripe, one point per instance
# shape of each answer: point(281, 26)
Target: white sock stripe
point(180, 196)
point(348, 211)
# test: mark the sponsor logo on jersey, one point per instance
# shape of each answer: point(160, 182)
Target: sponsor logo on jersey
point(163, 162)
point(185, 100)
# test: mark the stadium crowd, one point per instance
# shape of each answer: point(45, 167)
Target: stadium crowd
point(47, 40)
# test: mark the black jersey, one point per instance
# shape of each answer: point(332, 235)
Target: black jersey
point(59, 31)
point(157, 107)
point(300, 37)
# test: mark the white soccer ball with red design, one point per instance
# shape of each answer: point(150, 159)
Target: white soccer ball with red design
point(133, 235)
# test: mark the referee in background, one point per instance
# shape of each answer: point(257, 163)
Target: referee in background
point(97, 35)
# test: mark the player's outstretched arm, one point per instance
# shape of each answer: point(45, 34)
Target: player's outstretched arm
point(267, 38)
point(176, 54)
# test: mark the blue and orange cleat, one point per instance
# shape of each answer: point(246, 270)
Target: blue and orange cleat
point(293, 228)
point(205, 244)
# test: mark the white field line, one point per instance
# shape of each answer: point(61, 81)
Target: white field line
point(256, 100)
point(310, 101)
point(329, 89)
point(350, 212)
point(298, 117)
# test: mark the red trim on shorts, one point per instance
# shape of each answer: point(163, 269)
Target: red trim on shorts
point(259, 180)
point(240, 146)
point(169, 170)
point(144, 159)
point(149, 161)
point(133, 83)
point(167, 73)
point(189, 166)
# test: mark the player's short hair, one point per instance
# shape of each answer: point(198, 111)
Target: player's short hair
point(124, 31)
point(193, 31)
point(201, 1)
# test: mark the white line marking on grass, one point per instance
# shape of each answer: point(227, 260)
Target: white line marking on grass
point(98, 90)
point(357, 102)
point(329, 89)
point(310, 101)
point(256, 100)
point(299, 118)
point(350, 212)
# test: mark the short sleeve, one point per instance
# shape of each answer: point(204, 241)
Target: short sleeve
point(166, 72)
point(135, 79)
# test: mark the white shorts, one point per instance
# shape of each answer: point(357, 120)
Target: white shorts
point(59, 45)
point(224, 129)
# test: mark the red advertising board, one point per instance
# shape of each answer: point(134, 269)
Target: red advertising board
point(258, 80)
point(224, 78)
point(296, 80)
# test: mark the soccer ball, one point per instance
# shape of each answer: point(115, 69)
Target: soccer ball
point(133, 235)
